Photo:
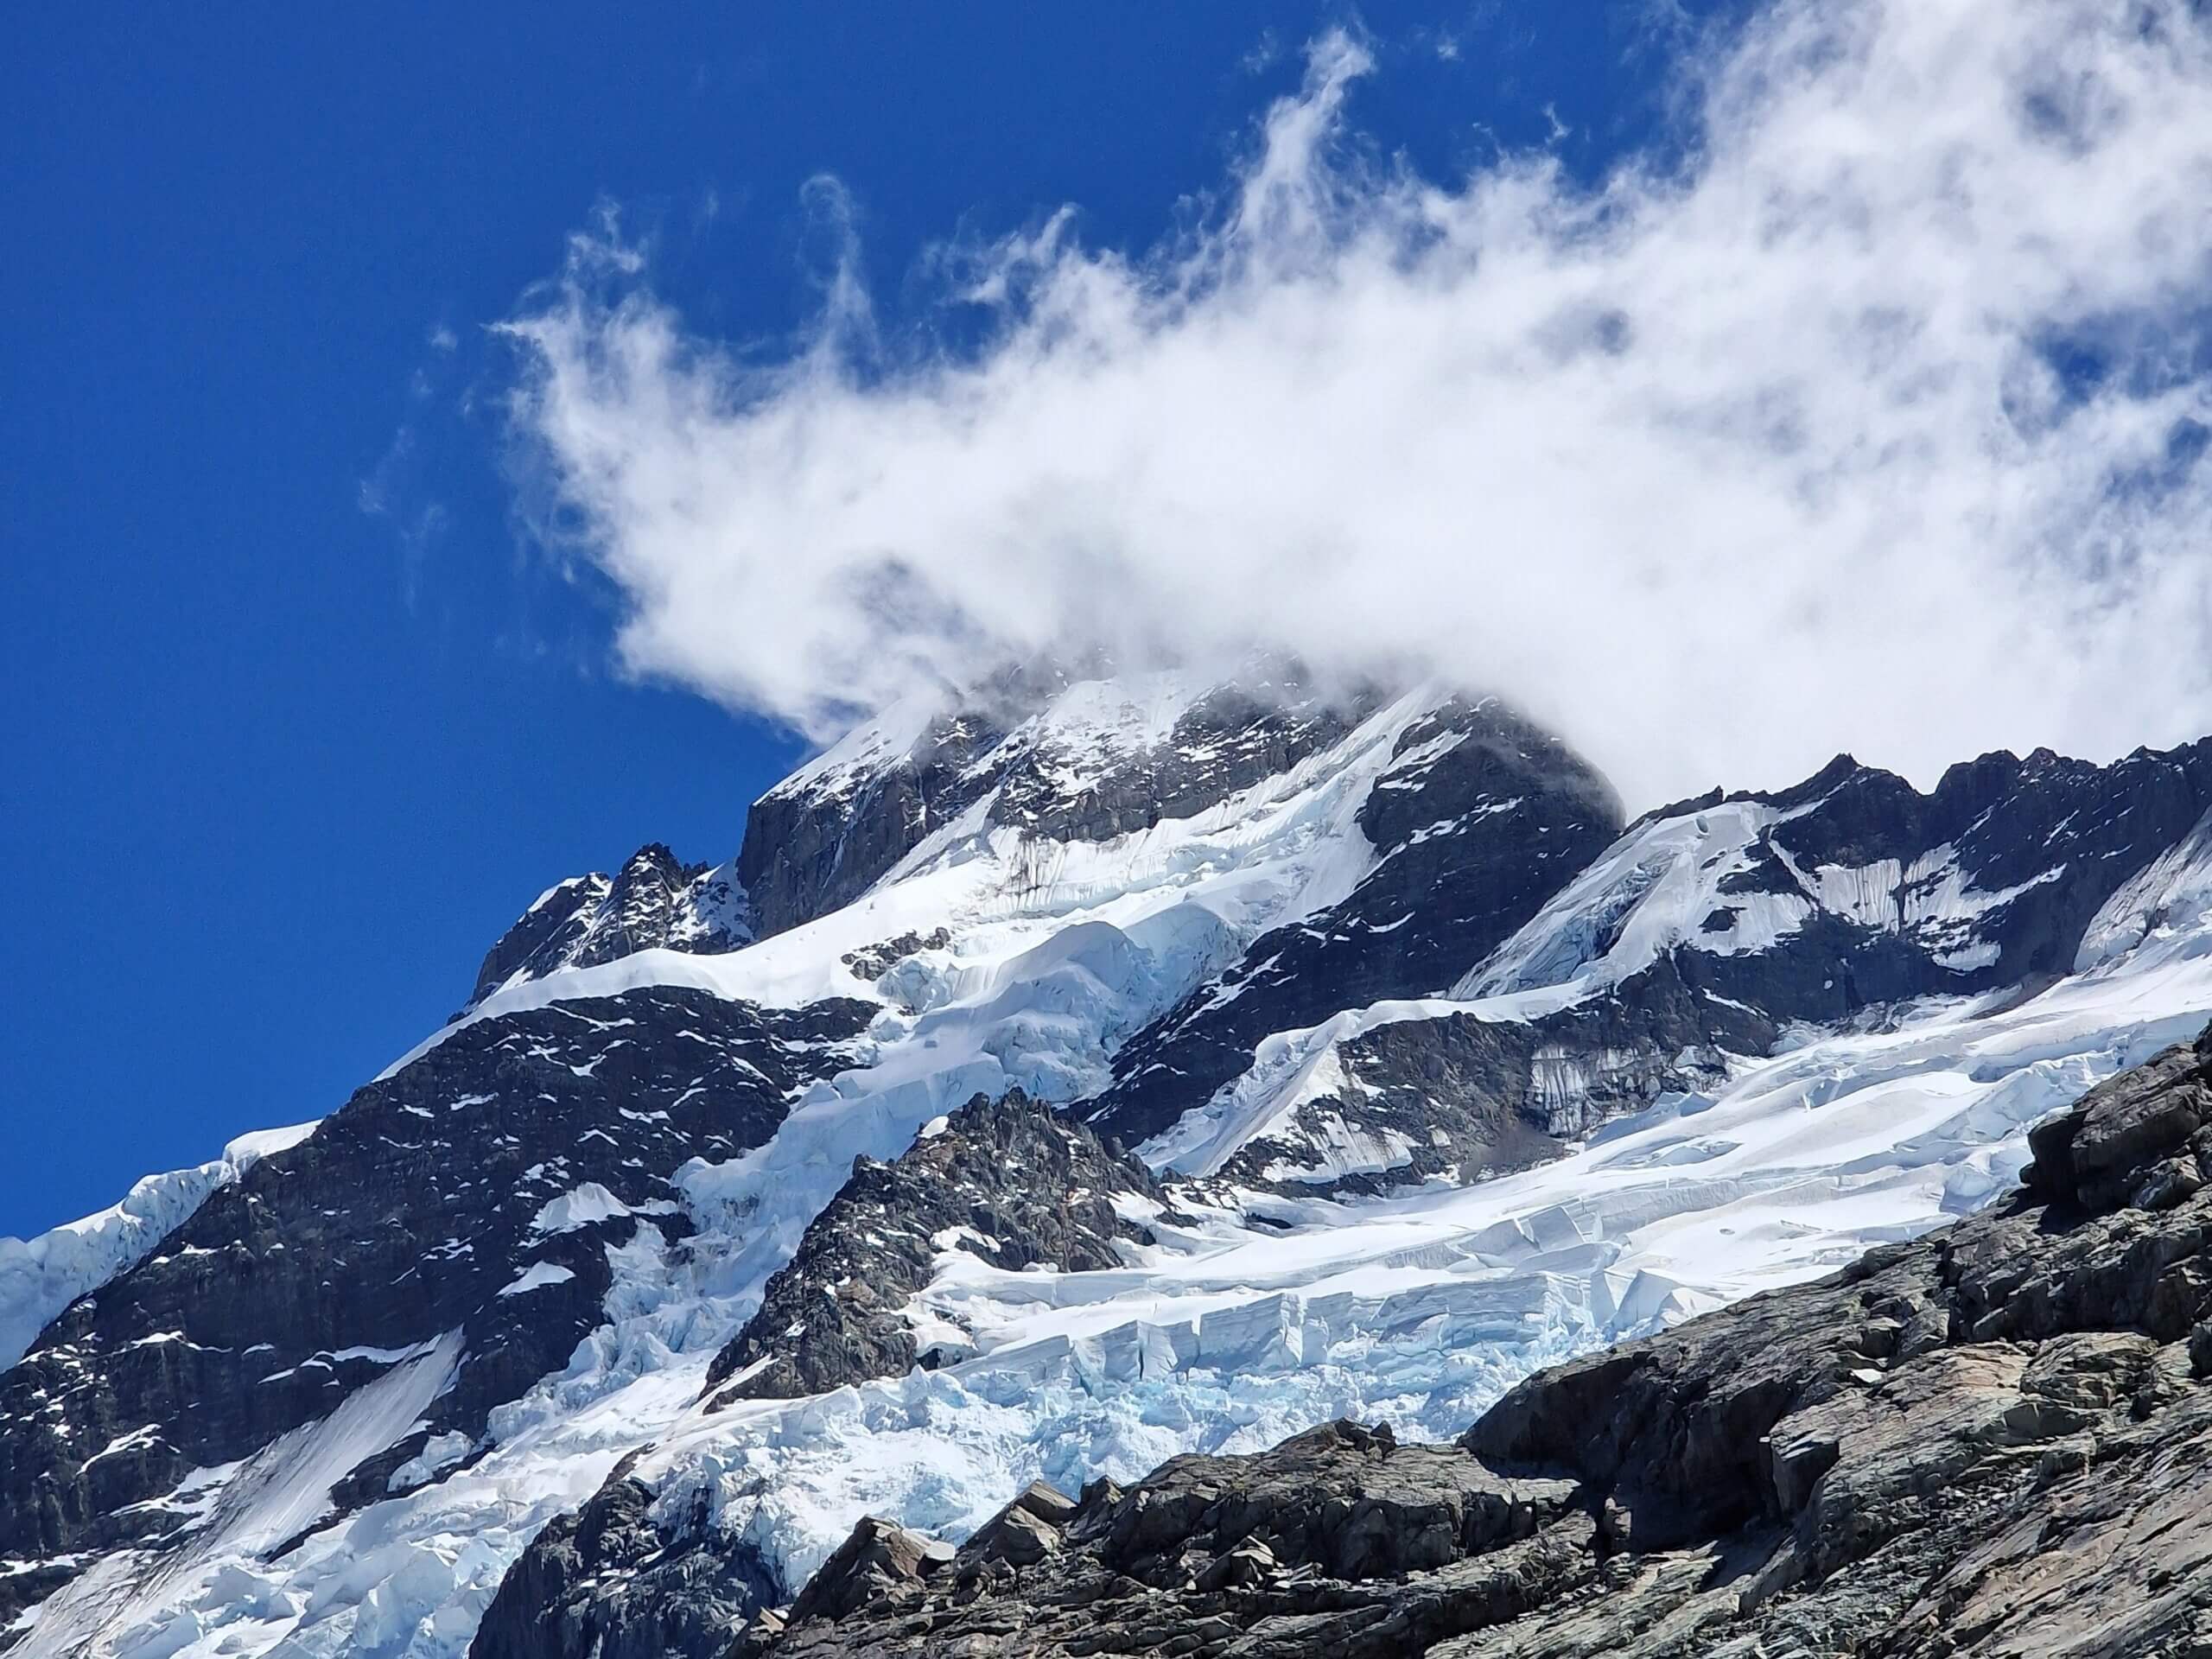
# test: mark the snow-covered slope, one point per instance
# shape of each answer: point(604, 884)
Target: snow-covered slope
point(1060, 759)
point(1448, 1074)
point(40, 1276)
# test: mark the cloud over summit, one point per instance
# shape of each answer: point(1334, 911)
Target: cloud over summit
point(1869, 419)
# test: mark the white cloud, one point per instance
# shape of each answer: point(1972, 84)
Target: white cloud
point(1737, 460)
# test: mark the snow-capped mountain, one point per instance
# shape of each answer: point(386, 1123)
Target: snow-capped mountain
point(1056, 1080)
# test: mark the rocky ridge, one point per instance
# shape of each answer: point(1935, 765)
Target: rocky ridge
point(652, 903)
point(609, 1580)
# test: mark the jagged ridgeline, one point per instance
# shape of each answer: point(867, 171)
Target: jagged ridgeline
point(1140, 1165)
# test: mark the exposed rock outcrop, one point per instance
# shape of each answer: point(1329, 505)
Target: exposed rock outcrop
point(1010, 1181)
point(608, 1581)
point(652, 903)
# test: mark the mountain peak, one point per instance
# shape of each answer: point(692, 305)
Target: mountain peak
point(654, 902)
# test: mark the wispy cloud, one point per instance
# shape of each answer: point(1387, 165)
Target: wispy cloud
point(1870, 419)
point(388, 494)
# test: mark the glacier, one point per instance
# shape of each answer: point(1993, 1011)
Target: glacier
point(1257, 1312)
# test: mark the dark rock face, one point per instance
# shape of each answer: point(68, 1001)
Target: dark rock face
point(1466, 1098)
point(651, 903)
point(609, 1582)
point(415, 1210)
point(1994, 1441)
point(2140, 1139)
point(1482, 817)
point(1452, 1096)
point(1010, 1180)
point(809, 850)
point(818, 842)
point(2054, 837)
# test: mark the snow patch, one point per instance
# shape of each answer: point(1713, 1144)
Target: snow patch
point(537, 1276)
point(581, 1206)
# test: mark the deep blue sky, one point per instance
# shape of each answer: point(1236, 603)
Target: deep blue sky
point(277, 769)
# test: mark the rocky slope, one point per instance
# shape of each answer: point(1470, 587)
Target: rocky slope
point(1996, 1440)
point(743, 1200)
point(488, 1191)
point(1006, 1182)
point(612, 1581)
point(1476, 821)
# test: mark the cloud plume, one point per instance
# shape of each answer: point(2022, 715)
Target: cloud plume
point(1867, 416)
